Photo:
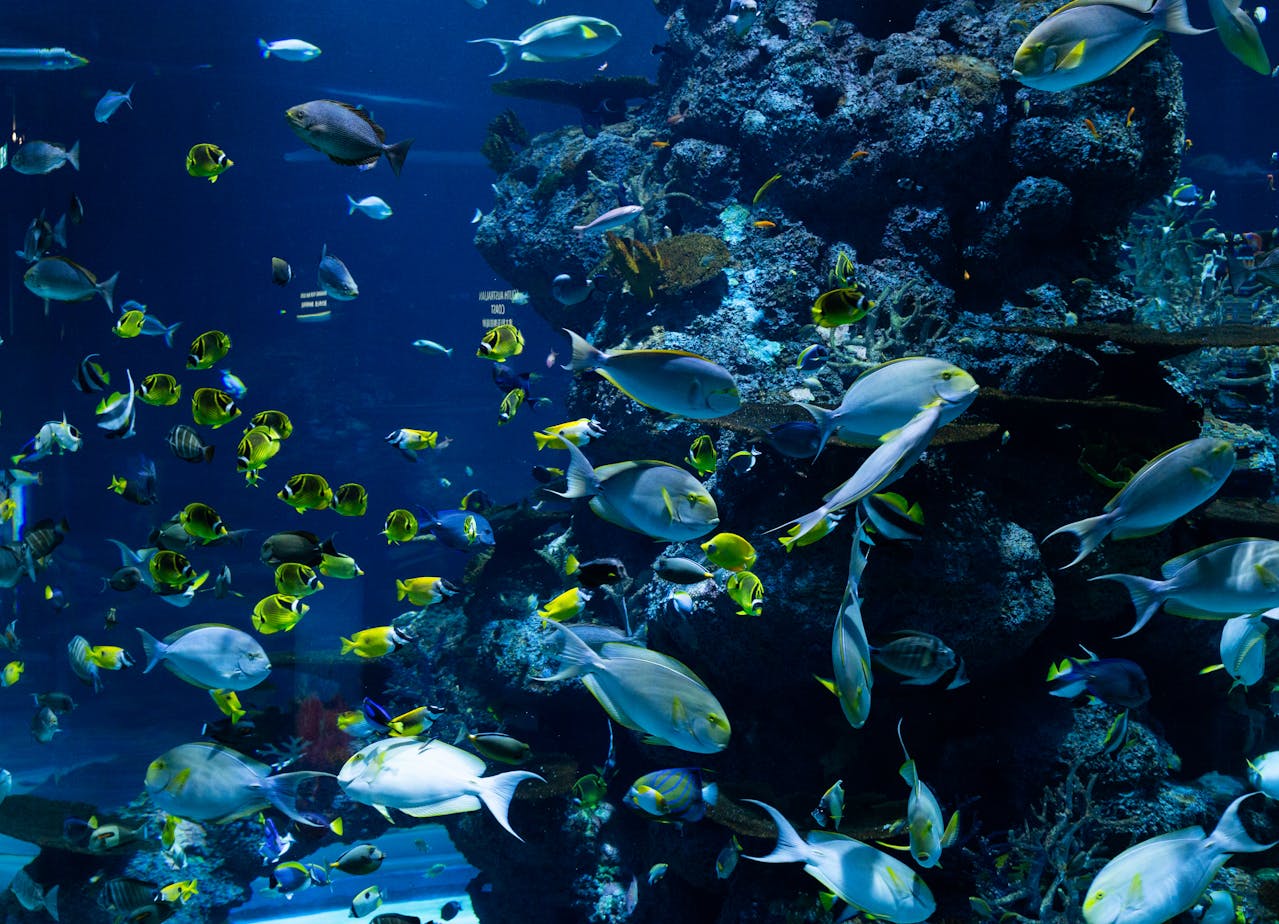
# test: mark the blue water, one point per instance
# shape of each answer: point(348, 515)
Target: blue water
point(199, 253)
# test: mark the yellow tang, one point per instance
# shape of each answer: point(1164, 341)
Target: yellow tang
point(731, 551)
point(229, 704)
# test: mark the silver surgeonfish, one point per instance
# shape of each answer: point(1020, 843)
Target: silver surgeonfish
point(647, 691)
point(1166, 488)
point(885, 398)
point(1157, 879)
point(929, 832)
point(660, 500)
point(206, 781)
point(674, 381)
point(1086, 40)
point(209, 656)
point(1215, 582)
point(868, 879)
point(61, 280)
point(427, 779)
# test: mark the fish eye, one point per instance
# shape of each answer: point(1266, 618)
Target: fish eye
point(947, 375)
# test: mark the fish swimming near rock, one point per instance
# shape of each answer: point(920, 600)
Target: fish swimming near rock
point(428, 779)
point(564, 38)
point(345, 133)
point(205, 781)
point(1157, 879)
point(674, 381)
point(1165, 489)
point(1086, 40)
point(655, 498)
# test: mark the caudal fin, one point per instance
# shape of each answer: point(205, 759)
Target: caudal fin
point(264, 48)
point(576, 657)
point(585, 356)
point(790, 846)
point(1230, 836)
point(825, 421)
point(802, 526)
point(396, 153)
point(496, 793)
point(1147, 597)
point(73, 156)
point(281, 791)
point(152, 647)
point(581, 480)
point(508, 48)
point(1089, 532)
point(107, 289)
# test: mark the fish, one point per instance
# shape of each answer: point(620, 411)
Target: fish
point(278, 613)
point(281, 272)
point(274, 844)
point(75, 211)
point(123, 579)
point(499, 747)
point(45, 535)
point(117, 413)
point(611, 220)
point(1083, 42)
point(1160, 877)
point(599, 572)
point(578, 432)
point(511, 403)
point(830, 808)
point(681, 570)
point(1214, 581)
point(675, 381)
point(277, 421)
point(726, 859)
point(233, 385)
point(375, 642)
point(110, 102)
point(675, 795)
point(730, 551)
point(37, 157)
point(187, 444)
point(747, 591)
point(424, 591)
point(1243, 648)
point(212, 407)
point(11, 673)
point(206, 781)
point(372, 206)
point(159, 389)
point(795, 439)
point(208, 349)
point(646, 691)
point(30, 894)
point(656, 872)
point(290, 877)
point(346, 134)
point(210, 656)
point(1165, 489)
point(838, 307)
point(90, 376)
point(921, 657)
point(61, 280)
point(40, 59)
point(567, 605)
point(44, 725)
point(350, 500)
point(500, 343)
point(360, 860)
point(295, 546)
point(924, 819)
point(202, 522)
point(129, 324)
point(813, 356)
point(401, 526)
point(890, 515)
point(367, 901)
point(335, 278)
point(428, 779)
point(702, 456)
point(59, 702)
point(431, 348)
point(450, 909)
point(415, 723)
point(463, 530)
point(293, 579)
point(42, 237)
point(564, 38)
point(653, 498)
point(294, 50)
point(208, 161)
point(887, 397)
point(1116, 681)
point(306, 491)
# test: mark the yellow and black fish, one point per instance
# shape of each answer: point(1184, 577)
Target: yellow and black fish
point(401, 526)
point(278, 613)
point(257, 447)
point(171, 568)
point(159, 389)
point(130, 324)
point(90, 376)
point(846, 305)
point(207, 349)
point(208, 161)
point(213, 407)
point(501, 343)
point(202, 522)
point(307, 492)
point(294, 579)
point(351, 500)
point(276, 420)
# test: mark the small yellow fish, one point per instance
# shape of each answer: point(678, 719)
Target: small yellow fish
point(8, 507)
point(130, 324)
point(178, 892)
point(159, 389)
point(228, 704)
point(401, 526)
point(109, 657)
point(278, 613)
point(375, 642)
point(424, 591)
point(212, 407)
point(731, 551)
point(209, 161)
point(350, 500)
point(307, 492)
point(207, 349)
point(501, 343)
point(702, 456)
point(565, 606)
point(747, 591)
point(12, 671)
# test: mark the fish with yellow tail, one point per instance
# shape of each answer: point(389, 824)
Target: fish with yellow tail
point(646, 691)
point(674, 381)
point(564, 38)
point(928, 833)
point(376, 642)
point(868, 879)
point(578, 432)
point(1157, 879)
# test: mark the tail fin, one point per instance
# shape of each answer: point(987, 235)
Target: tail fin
point(1089, 532)
point(51, 902)
point(73, 156)
point(60, 232)
point(107, 289)
point(396, 153)
point(348, 646)
point(282, 792)
point(264, 48)
point(803, 525)
point(152, 647)
point(1176, 19)
point(825, 421)
point(496, 793)
point(508, 47)
point(790, 847)
point(1230, 837)
point(1147, 597)
point(585, 356)
point(350, 206)
point(580, 477)
point(169, 332)
point(576, 657)
point(907, 771)
point(128, 95)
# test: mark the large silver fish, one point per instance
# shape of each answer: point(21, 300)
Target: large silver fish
point(210, 656)
point(36, 157)
point(346, 133)
point(62, 280)
point(564, 38)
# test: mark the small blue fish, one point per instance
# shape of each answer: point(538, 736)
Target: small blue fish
point(110, 102)
point(812, 357)
point(233, 385)
point(1116, 681)
point(274, 845)
point(372, 206)
point(672, 795)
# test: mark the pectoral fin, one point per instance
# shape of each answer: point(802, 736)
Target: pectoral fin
point(1073, 58)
